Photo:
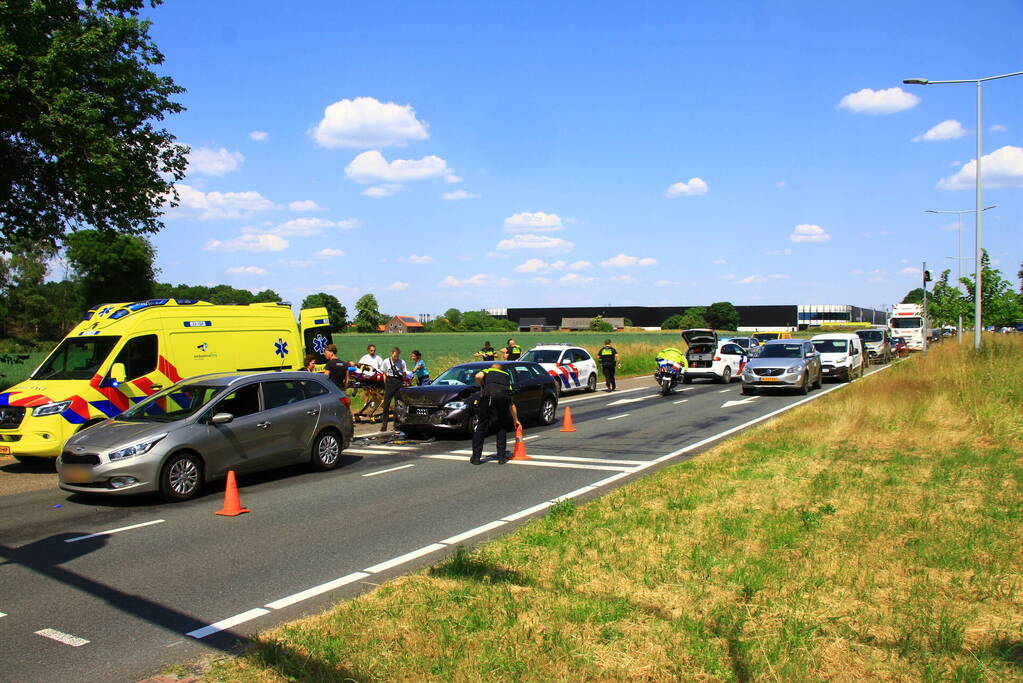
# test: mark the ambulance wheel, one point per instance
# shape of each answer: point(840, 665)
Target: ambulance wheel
point(182, 477)
point(326, 452)
point(591, 383)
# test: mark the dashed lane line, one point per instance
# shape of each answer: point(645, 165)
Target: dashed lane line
point(316, 590)
point(113, 531)
point(466, 535)
point(682, 401)
point(598, 395)
point(391, 469)
point(618, 417)
point(61, 637)
point(402, 559)
point(569, 458)
point(723, 391)
point(536, 463)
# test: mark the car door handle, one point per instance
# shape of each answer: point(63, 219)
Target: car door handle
point(312, 411)
point(264, 425)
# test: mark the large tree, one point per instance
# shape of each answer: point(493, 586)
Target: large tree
point(1000, 304)
point(79, 109)
point(722, 315)
point(337, 313)
point(23, 301)
point(367, 313)
point(914, 296)
point(111, 267)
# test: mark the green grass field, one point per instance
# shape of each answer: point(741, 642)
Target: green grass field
point(869, 535)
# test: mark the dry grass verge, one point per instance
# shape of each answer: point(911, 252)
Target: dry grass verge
point(871, 535)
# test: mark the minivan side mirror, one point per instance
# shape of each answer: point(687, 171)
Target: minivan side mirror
point(221, 418)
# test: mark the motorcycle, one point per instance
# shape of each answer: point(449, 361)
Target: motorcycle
point(668, 375)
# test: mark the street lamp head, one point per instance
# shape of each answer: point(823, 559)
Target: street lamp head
point(916, 81)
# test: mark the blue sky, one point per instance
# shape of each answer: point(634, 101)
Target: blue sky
point(483, 155)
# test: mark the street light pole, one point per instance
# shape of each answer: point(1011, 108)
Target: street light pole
point(977, 318)
point(959, 251)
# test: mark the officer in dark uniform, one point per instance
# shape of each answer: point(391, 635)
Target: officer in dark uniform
point(488, 352)
point(609, 358)
point(512, 351)
point(495, 408)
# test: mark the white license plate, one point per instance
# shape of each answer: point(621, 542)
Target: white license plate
point(77, 474)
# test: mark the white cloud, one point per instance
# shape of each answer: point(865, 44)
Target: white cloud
point(366, 122)
point(305, 205)
point(695, 186)
point(458, 195)
point(385, 190)
point(535, 242)
point(779, 276)
point(781, 183)
point(535, 265)
point(910, 270)
point(348, 224)
point(574, 279)
point(888, 101)
point(540, 280)
point(397, 286)
point(624, 279)
point(328, 253)
point(295, 263)
point(418, 260)
point(997, 128)
point(478, 280)
point(205, 206)
point(719, 262)
point(372, 167)
point(948, 129)
point(213, 162)
point(666, 283)
point(249, 242)
point(623, 261)
point(580, 265)
point(1002, 168)
point(259, 135)
point(302, 227)
point(809, 233)
point(451, 178)
point(753, 280)
point(779, 252)
point(246, 270)
point(534, 222)
point(856, 271)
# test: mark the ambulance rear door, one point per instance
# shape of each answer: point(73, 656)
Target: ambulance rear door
point(315, 327)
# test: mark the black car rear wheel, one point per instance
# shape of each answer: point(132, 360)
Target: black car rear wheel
point(548, 410)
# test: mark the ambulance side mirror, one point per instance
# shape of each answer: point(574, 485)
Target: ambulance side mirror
point(116, 376)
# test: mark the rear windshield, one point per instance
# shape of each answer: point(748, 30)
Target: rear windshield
point(781, 351)
point(76, 358)
point(831, 345)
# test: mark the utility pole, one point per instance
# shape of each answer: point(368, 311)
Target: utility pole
point(927, 331)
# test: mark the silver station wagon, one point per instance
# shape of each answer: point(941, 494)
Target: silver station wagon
point(196, 430)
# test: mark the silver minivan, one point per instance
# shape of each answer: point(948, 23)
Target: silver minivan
point(196, 430)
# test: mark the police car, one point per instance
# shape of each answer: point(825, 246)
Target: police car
point(719, 361)
point(572, 367)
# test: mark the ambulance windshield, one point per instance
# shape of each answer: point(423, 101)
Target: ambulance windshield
point(76, 358)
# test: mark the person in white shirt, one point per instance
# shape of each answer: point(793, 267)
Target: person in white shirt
point(394, 379)
point(372, 359)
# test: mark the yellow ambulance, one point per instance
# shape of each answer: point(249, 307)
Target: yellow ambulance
point(122, 353)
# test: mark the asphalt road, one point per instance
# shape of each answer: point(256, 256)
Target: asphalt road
point(120, 603)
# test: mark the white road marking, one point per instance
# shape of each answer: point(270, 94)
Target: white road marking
point(392, 469)
point(402, 559)
point(741, 401)
point(61, 637)
point(225, 624)
point(3, 614)
point(466, 535)
point(569, 458)
point(112, 531)
point(536, 463)
point(724, 391)
point(535, 436)
point(618, 417)
point(686, 389)
point(316, 590)
point(597, 395)
point(630, 400)
point(383, 448)
point(527, 512)
point(682, 401)
point(573, 494)
point(365, 451)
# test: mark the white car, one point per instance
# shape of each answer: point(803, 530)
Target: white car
point(842, 355)
point(721, 361)
point(572, 367)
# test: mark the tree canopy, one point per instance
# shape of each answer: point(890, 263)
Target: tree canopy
point(79, 106)
point(111, 267)
point(215, 294)
point(336, 311)
point(367, 314)
point(722, 315)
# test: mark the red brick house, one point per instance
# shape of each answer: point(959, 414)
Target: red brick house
point(401, 324)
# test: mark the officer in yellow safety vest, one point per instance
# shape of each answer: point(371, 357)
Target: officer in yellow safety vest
point(512, 351)
point(495, 408)
point(609, 358)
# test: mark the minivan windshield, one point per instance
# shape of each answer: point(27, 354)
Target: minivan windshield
point(76, 358)
point(831, 345)
point(871, 335)
point(174, 403)
point(781, 351)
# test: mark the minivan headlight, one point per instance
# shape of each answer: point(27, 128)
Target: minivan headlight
point(50, 408)
point(135, 449)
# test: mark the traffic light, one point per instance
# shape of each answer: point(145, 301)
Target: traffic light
point(927, 276)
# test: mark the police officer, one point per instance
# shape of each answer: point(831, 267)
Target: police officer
point(487, 353)
point(495, 408)
point(512, 351)
point(609, 358)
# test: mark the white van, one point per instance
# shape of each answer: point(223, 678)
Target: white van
point(842, 355)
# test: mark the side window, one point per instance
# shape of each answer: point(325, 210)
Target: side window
point(282, 393)
point(538, 371)
point(244, 401)
point(313, 388)
point(139, 356)
point(522, 373)
point(581, 355)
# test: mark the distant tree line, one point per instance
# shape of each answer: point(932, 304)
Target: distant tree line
point(1001, 305)
point(721, 315)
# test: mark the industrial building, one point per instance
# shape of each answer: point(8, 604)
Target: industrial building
point(751, 318)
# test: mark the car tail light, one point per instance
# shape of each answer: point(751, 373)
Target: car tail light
point(346, 401)
point(717, 358)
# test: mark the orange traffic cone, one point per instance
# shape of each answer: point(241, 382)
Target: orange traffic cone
point(519, 453)
point(568, 427)
point(232, 503)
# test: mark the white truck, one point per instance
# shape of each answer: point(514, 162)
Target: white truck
point(907, 321)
